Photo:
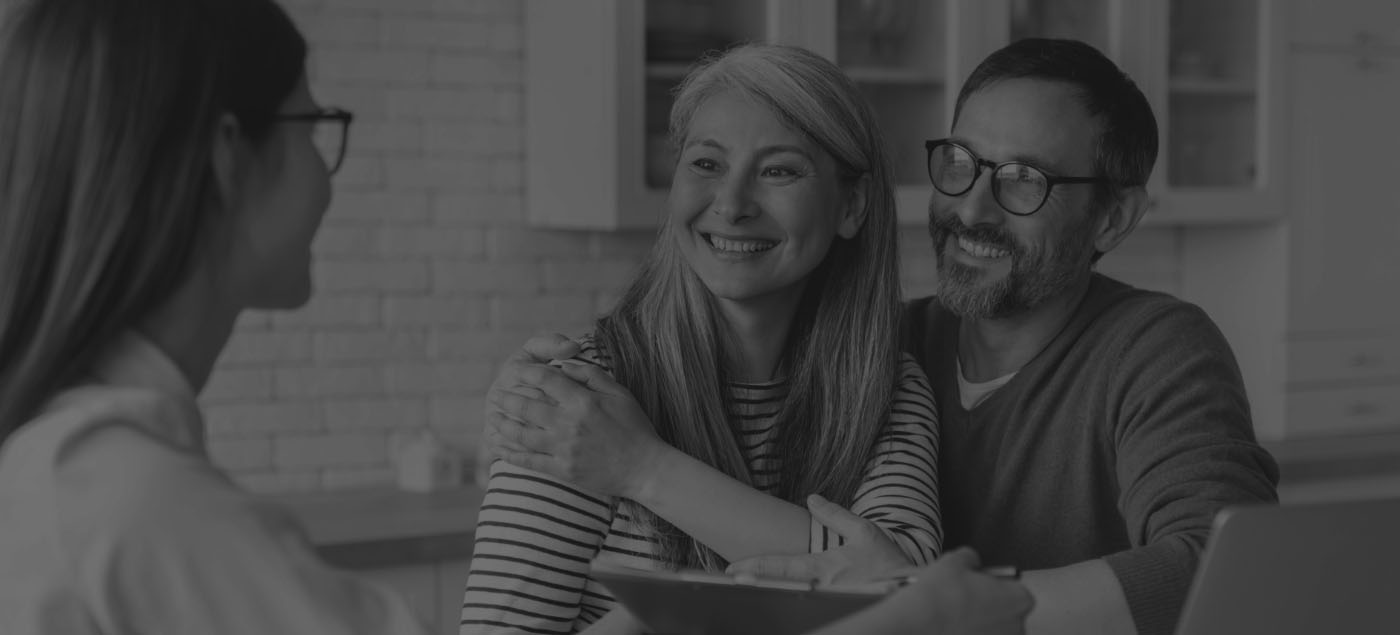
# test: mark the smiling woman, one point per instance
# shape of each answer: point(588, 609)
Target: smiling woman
point(753, 362)
point(756, 205)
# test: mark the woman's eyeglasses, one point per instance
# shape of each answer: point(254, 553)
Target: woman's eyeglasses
point(1020, 188)
point(330, 134)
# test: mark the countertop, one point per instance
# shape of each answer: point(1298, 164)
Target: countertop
point(1343, 467)
point(386, 527)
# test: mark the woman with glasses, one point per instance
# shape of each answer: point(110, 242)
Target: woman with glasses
point(752, 363)
point(159, 174)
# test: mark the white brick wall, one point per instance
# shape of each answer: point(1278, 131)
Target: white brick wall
point(415, 304)
point(427, 275)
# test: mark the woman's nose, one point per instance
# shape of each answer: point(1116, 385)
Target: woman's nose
point(733, 199)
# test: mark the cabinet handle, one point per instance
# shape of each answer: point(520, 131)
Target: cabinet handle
point(1362, 408)
point(1363, 360)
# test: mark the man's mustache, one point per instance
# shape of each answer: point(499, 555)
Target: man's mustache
point(940, 228)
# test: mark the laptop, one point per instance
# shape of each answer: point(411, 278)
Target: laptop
point(1299, 569)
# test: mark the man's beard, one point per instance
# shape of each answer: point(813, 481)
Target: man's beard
point(1035, 276)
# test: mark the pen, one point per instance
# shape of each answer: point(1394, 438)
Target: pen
point(1007, 572)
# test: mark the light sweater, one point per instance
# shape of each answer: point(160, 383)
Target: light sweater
point(114, 522)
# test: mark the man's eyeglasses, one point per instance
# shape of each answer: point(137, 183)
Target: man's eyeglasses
point(1020, 188)
point(330, 134)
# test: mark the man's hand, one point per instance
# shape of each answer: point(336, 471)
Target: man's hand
point(539, 350)
point(577, 424)
point(867, 553)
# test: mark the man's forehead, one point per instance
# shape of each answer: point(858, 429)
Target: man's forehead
point(1032, 120)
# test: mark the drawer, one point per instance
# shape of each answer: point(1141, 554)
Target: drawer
point(1342, 360)
point(1343, 411)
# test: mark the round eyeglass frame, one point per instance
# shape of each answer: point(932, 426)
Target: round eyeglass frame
point(343, 117)
point(1050, 181)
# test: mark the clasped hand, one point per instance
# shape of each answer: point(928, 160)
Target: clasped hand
point(948, 596)
point(571, 421)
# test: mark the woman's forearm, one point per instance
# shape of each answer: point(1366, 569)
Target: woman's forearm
point(734, 519)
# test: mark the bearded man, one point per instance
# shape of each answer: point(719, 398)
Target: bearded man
point(1090, 430)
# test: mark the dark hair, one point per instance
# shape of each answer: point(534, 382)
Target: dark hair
point(108, 110)
point(1126, 148)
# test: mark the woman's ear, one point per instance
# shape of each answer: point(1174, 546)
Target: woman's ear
point(853, 216)
point(227, 161)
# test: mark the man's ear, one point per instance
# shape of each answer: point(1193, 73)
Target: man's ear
point(1120, 218)
point(226, 159)
point(853, 216)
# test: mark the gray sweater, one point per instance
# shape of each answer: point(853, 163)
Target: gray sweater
point(1120, 440)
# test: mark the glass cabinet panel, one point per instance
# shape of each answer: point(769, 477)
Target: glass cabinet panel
point(1085, 20)
point(894, 50)
point(1212, 93)
point(678, 34)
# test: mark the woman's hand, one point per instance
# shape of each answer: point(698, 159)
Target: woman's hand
point(575, 423)
point(949, 596)
point(866, 553)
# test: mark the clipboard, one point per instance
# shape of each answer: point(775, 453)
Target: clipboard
point(692, 602)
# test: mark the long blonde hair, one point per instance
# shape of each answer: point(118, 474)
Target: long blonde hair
point(107, 113)
point(667, 339)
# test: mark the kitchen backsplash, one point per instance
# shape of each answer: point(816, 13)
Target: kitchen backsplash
point(427, 274)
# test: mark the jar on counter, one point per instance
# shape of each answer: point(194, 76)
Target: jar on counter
point(423, 463)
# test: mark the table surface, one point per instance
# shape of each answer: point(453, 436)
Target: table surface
point(385, 526)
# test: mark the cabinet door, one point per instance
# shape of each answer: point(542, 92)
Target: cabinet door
point(1359, 23)
point(1346, 202)
point(597, 96)
point(896, 51)
point(1210, 70)
point(1218, 110)
point(1091, 21)
point(678, 33)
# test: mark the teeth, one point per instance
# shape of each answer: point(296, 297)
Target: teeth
point(980, 250)
point(740, 246)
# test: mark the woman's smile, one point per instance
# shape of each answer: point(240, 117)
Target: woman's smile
point(734, 248)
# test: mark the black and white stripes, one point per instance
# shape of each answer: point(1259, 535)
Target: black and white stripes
point(536, 535)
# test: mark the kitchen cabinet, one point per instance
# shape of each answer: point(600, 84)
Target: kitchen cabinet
point(1347, 267)
point(599, 76)
point(1220, 113)
point(1212, 71)
point(1343, 339)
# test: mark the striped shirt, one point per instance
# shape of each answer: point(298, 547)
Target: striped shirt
point(536, 535)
